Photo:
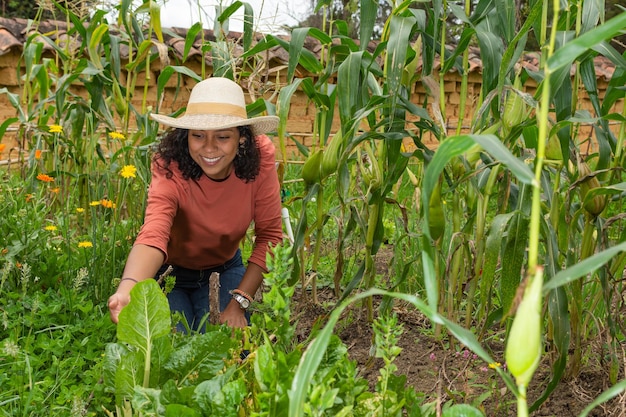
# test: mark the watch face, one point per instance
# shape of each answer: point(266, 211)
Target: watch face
point(243, 301)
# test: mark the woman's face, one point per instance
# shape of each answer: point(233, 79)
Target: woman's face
point(214, 150)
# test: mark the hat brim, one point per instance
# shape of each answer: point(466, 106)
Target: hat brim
point(259, 125)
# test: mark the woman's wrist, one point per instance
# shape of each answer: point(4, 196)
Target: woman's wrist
point(126, 284)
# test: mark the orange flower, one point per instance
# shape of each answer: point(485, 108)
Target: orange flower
point(29, 197)
point(107, 203)
point(38, 154)
point(2, 147)
point(55, 190)
point(45, 178)
point(5, 251)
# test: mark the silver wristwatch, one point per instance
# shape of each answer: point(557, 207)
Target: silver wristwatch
point(244, 303)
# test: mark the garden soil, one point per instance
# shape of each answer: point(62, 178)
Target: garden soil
point(444, 371)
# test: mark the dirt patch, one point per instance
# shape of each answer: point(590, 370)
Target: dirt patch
point(445, 371)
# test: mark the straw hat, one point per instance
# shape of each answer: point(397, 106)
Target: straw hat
point(217, 103)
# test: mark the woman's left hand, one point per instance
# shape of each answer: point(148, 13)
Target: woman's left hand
point(233, 315)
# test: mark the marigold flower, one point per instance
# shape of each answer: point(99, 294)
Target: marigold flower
point(50, 228)
point(37, 153)
point(80, 210)
point(128, 171)
point(55, 129)
point(2, 147)
point(115, 135)
point(108, 203)
point(85, 244)
point(45, 178)
point(55, 190)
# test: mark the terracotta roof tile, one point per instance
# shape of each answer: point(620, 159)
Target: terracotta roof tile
point(15, 32)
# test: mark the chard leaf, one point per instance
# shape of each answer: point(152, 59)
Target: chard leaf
point(146, 317)
point(221, 396)
point(201, 356)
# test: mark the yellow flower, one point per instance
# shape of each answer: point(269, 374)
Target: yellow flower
point(495, 365)
point(129, 171)
point(115, 135)
point(50, 228)
point(85, 244)
point(80, 210)
point(45, 178)
point(55, 129)
point(94, 203)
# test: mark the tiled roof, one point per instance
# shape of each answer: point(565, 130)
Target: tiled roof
point(14, 33)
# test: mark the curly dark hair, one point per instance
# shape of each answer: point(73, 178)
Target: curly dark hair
point(174, 147)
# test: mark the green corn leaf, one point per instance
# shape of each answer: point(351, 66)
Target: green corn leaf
point(8, 122)
point(190, 38)
point(95, 40)
point(167, 73)
point(513, 259)
point(584, 267)
point(397, 45)
point(493, 247)
point(348, 86)
point(296, 46)
point(565, 55)
point(368, 10)
point(282, 109)
point(155, 20)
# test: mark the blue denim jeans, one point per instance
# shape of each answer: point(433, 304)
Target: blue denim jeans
point(190, 295)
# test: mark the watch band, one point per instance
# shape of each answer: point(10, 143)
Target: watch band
point(242, 293)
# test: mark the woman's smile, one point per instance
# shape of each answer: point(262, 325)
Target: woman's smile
point(214, 150)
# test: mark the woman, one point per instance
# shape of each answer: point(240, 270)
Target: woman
point(212, 176)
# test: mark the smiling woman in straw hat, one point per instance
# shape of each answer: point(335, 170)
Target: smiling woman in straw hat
point(212, 176)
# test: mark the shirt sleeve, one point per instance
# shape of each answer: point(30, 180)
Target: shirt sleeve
point(162, 205)
point(267, 205)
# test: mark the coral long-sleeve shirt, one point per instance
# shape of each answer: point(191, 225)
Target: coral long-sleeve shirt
point(200, 224)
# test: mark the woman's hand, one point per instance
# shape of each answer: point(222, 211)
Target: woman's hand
point(233, 315)
point(116, 303)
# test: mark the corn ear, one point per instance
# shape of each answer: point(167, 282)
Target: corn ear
point(553, 149)
point(436, 216)
point(370, 170)
point(311, 167)
point(330, 160)
point(121, 106)
point(524, 345)
point(596, 204)
point(514, 111)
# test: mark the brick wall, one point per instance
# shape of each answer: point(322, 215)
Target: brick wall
point(302, 111)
